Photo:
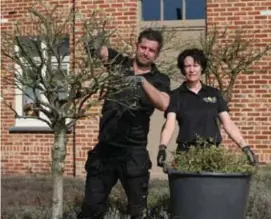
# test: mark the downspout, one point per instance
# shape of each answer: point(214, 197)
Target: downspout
point(206, 34)
point(73, 68)
point(206, 18)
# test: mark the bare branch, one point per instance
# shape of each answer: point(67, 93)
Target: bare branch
point(229, 57)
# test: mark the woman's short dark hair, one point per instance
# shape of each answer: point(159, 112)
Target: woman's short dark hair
point(153, 35)
point(196, 54)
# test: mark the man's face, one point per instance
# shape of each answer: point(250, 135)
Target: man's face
point(192, 70)
point(146, 52)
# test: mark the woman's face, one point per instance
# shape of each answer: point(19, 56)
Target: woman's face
point(192, 70)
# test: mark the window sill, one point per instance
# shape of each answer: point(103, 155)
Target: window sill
point(182, 24)
point(31, 129)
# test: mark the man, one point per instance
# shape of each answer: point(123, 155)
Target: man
point(121, 153)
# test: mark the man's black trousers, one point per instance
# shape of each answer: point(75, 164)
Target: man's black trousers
point(103, 172)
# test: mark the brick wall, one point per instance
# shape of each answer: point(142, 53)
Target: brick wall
point(30, 152)
point(251, 103)
point(250, 107)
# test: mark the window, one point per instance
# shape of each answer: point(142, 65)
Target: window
point(195, 9)
point(166, 10)
point(25, 101)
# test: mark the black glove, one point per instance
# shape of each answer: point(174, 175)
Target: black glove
point(134, 80)
point(250, 155)
point(94, 45)
point(162, 155)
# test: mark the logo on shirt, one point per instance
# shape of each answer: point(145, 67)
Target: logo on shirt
point(210, 99)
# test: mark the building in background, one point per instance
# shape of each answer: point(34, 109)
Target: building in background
point(26, 143)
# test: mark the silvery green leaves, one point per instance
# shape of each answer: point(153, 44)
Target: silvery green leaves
point(134, 80)
point(95, 43)
point(96, 34)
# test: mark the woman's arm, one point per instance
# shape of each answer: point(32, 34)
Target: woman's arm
point(166, 134)
point(235, 134)
point(231, 129)
point(168, 129)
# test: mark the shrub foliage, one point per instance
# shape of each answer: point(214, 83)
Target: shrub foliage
point(30, 198)
point(211, 159)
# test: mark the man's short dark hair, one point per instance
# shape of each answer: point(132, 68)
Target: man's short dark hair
point(196, 54)
point(153, 35)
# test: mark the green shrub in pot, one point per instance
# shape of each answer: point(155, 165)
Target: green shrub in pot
point(211, 159)
point(212, 179)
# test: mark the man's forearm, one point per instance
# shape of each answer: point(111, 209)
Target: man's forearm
point(159, 99)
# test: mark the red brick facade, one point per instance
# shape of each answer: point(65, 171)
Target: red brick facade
point(250, 107)
point(251, 103)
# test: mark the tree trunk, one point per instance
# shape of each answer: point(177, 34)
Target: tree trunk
point(58, 158)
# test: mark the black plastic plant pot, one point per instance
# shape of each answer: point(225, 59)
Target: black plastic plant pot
point(208, 195)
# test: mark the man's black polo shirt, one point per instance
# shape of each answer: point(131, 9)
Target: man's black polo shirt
point(197, 114)
point(120, 125)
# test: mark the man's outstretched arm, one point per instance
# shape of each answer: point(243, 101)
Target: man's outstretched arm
point(158, 98)
point(158, 95)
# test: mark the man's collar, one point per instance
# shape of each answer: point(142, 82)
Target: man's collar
point(153, 70)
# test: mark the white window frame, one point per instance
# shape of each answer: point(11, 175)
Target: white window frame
point(22, 121)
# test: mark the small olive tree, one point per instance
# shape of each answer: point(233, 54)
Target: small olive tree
point(33, 64)
point(229, 54)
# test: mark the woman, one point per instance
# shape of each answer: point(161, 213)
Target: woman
point(197, 107)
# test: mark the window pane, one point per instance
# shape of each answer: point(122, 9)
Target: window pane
point(63, 47)
point(173, 9)
point(151, 10)
point(28, 46)
point(195, 9)
point(29, 106)
point(31, 46)
point(61, 73)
